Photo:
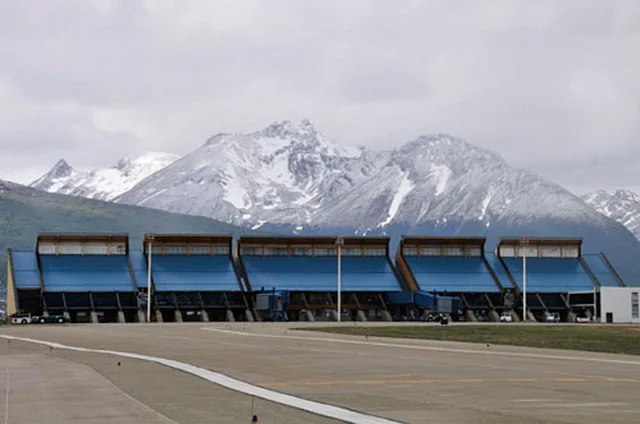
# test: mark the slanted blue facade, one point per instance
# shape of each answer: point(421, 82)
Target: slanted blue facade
point(452, 274)
point(494, 262)
point(25, 269)
point(95, 273)
point(139, 266)
point(320, 273)
point(554, 275)
point(193, 273)
point(600, 271)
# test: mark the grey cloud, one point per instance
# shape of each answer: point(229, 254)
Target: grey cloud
point(544, 83)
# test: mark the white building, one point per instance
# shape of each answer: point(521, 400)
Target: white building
point(619, 305)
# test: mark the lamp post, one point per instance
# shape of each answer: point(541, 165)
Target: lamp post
point(524, 279)
point(149, 249)
point(339, 243)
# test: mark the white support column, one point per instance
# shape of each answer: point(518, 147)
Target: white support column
point(525, 313)
point(339, 243)
point(149, 255)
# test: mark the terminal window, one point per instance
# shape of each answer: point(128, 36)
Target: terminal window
point(410, 251)
point(301, 251)
point(200, 250)
point(325, 251)
point(635, 312)
point(221, 250)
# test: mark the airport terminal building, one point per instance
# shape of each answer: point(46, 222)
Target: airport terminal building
point(192, 277)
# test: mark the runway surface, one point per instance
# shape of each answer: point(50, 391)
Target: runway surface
point(408, 381)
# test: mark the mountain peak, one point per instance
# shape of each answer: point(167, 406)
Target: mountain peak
point(61, 168)
point(105, 183)
point(622, 205)
point(284, 129)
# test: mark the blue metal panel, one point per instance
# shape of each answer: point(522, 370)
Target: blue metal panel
point(139, 264)
point(551, 274)
point(25, 269)
point(86, 273)
point(193, 273)
point(426, 300)
point(303, 273)
point(600, 270)
point(498, 269)
point(452, 274)
point(400, 298)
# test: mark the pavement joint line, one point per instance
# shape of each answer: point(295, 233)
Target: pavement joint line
point(6, 400)
point(317, 408)
point(441, 381)
point(431, 348)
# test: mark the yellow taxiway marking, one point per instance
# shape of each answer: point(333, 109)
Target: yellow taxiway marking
point(444, 381)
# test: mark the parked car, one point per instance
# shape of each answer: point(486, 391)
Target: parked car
point(506, 317)
point(554, 317)
point(20, 319)
point(51, 319)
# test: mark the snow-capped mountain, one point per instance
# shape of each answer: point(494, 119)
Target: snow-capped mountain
point(290, 178)
point(439, 178)
point(102, 184)
point(283, 173)
point(291, 174)
point(620, 205)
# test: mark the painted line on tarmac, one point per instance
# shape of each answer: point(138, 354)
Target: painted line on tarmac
point(6, 400)
point(490, 352)
point(317, 408)
point(383, 382)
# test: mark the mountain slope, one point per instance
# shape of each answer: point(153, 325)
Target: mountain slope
point(25, 212)
point(439, 178)
point(620, 205)
point(102, 184)
point(289, 178)
point(282, 173)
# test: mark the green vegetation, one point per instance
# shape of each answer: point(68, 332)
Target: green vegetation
point(25, 212)
point(610, 339)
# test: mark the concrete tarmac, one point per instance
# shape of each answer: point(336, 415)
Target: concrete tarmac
point(409, 381)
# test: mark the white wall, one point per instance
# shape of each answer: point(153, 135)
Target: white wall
point(617, 300)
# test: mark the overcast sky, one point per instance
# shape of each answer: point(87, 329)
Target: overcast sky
point(553, 86)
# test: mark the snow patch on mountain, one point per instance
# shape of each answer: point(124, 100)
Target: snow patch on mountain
point(102, 184)
point(289, 174)
point(622, 206)
point(441, 174)
point(283, 173)
point(403, 190)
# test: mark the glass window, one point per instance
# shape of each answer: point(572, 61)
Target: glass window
point(550, 252)
point(430, 251)
point(251, 251)
point(569, 251)
point(70, 249)
point(301, 251)
point(156, 250)
point(531, 251)
point(410, 251)
point(507, 251)
point(276, 251)
point(98, 249)
point(175, 250)
point(635, 310)
point(325, 251)
point(351, 251)
point(474, 251)
point(453, 251)
point(374, 252)
point(200, 250)
point(221, 250)
point(47, 249)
